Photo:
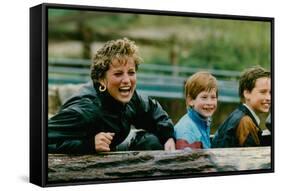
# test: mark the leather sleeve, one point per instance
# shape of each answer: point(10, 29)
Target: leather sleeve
point(69, 132)
point(153, 118)
point(247, 132)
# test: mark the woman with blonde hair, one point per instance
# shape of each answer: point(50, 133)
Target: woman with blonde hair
point(99, 118)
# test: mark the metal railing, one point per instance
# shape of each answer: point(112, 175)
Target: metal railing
point(152, 79)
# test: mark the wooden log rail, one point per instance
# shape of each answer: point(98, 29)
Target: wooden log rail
point(137, 164)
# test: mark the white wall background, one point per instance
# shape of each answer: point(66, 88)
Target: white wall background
point(14, 95)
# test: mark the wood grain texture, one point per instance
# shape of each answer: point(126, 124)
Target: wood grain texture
point(137, 164)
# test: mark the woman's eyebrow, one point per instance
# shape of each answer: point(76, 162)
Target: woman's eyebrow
point(117, 70)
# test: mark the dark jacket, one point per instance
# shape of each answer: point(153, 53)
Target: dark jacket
point(89, 112)
point(225, 135)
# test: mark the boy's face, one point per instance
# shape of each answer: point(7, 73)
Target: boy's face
point(259, 99)
point(205, 103)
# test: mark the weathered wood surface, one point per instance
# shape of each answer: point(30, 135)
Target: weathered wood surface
point(155, 163)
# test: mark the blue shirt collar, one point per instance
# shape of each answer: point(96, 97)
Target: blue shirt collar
point(198, 118)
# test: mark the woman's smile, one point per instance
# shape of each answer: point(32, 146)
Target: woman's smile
point(120, 79)
point(125, 91)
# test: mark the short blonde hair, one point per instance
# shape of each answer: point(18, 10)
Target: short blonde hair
point(115, 49)
point(198, 82)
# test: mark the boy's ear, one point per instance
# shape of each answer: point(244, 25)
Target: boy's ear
point(189, 101)
point(246, 94)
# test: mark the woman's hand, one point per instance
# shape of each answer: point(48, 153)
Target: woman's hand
point(103, 141)
point(170, 145)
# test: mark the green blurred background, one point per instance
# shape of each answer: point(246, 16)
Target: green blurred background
point(196, 42)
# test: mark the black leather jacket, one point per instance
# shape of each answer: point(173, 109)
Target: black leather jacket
point(89, 112)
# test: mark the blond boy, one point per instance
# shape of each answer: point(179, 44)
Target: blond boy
point(193, 129)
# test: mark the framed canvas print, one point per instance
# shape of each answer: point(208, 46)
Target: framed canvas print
point(122, 95)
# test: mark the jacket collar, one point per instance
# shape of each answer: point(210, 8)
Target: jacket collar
point(254, 115)
point(108, 102)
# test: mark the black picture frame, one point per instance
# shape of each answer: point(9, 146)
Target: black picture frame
point(39, 83)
